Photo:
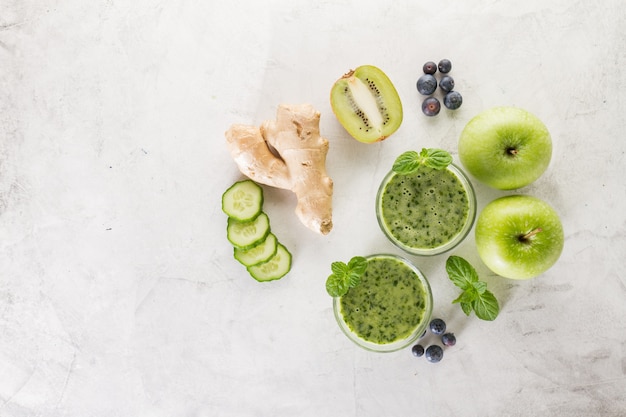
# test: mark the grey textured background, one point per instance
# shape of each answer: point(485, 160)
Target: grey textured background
point(118, 292)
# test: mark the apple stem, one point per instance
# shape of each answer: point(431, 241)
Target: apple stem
point(527, 236)
point(512, 151)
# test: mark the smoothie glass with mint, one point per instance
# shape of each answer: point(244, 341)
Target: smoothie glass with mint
point(427, 212)
point(389, 309)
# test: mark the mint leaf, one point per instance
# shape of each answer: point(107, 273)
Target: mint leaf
point(409, 162)
point(467, 308)
point(466, 297)
point(345, 276)
point(480, 286)
point(339, 268)
point(336, 286)
point(461, 272)
point(353, 279)
point(356, 268)
point(436, 158)
point(486, 306)
point(475, 295)
point(357, 264)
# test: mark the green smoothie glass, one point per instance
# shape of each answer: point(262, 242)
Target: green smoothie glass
point(389, 309)
point(428, 212)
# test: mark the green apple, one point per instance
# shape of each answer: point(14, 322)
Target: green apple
point(519, 236)
point(505, 147)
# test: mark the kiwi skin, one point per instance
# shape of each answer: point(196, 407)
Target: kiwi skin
point(366, 103)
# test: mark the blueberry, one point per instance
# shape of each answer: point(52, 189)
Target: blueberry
point(448, 339)
point(431, 106)
point(434, 353)
point(453, 100)
point(426, 84)
point(418, 350)
point(430, 67)
point(438, 326)
point(446, 83)
point(444, 66)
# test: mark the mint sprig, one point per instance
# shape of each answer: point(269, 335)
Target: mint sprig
point(410, 162)
point(345, 276)
point(475, 295)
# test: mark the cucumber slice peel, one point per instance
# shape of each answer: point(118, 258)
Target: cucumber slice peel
point(259, 253)
point(243, 201)
point(246, 235)
point(275, 268)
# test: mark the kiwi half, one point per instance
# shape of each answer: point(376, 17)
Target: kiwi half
point(366, 104)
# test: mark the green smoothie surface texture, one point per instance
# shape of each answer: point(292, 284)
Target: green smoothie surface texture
point(387, 305)
point(425, 210)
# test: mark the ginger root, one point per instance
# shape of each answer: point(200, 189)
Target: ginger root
point(288, 153)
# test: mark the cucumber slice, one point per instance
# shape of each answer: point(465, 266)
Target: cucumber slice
point(259, 253)
point(243, 201)
point(275, 268)
point(246, 235)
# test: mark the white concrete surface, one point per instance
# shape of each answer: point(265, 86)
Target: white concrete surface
point(119, 295)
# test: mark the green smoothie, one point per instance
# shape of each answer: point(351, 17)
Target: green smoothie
point(389, 304)
point(425, 210)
